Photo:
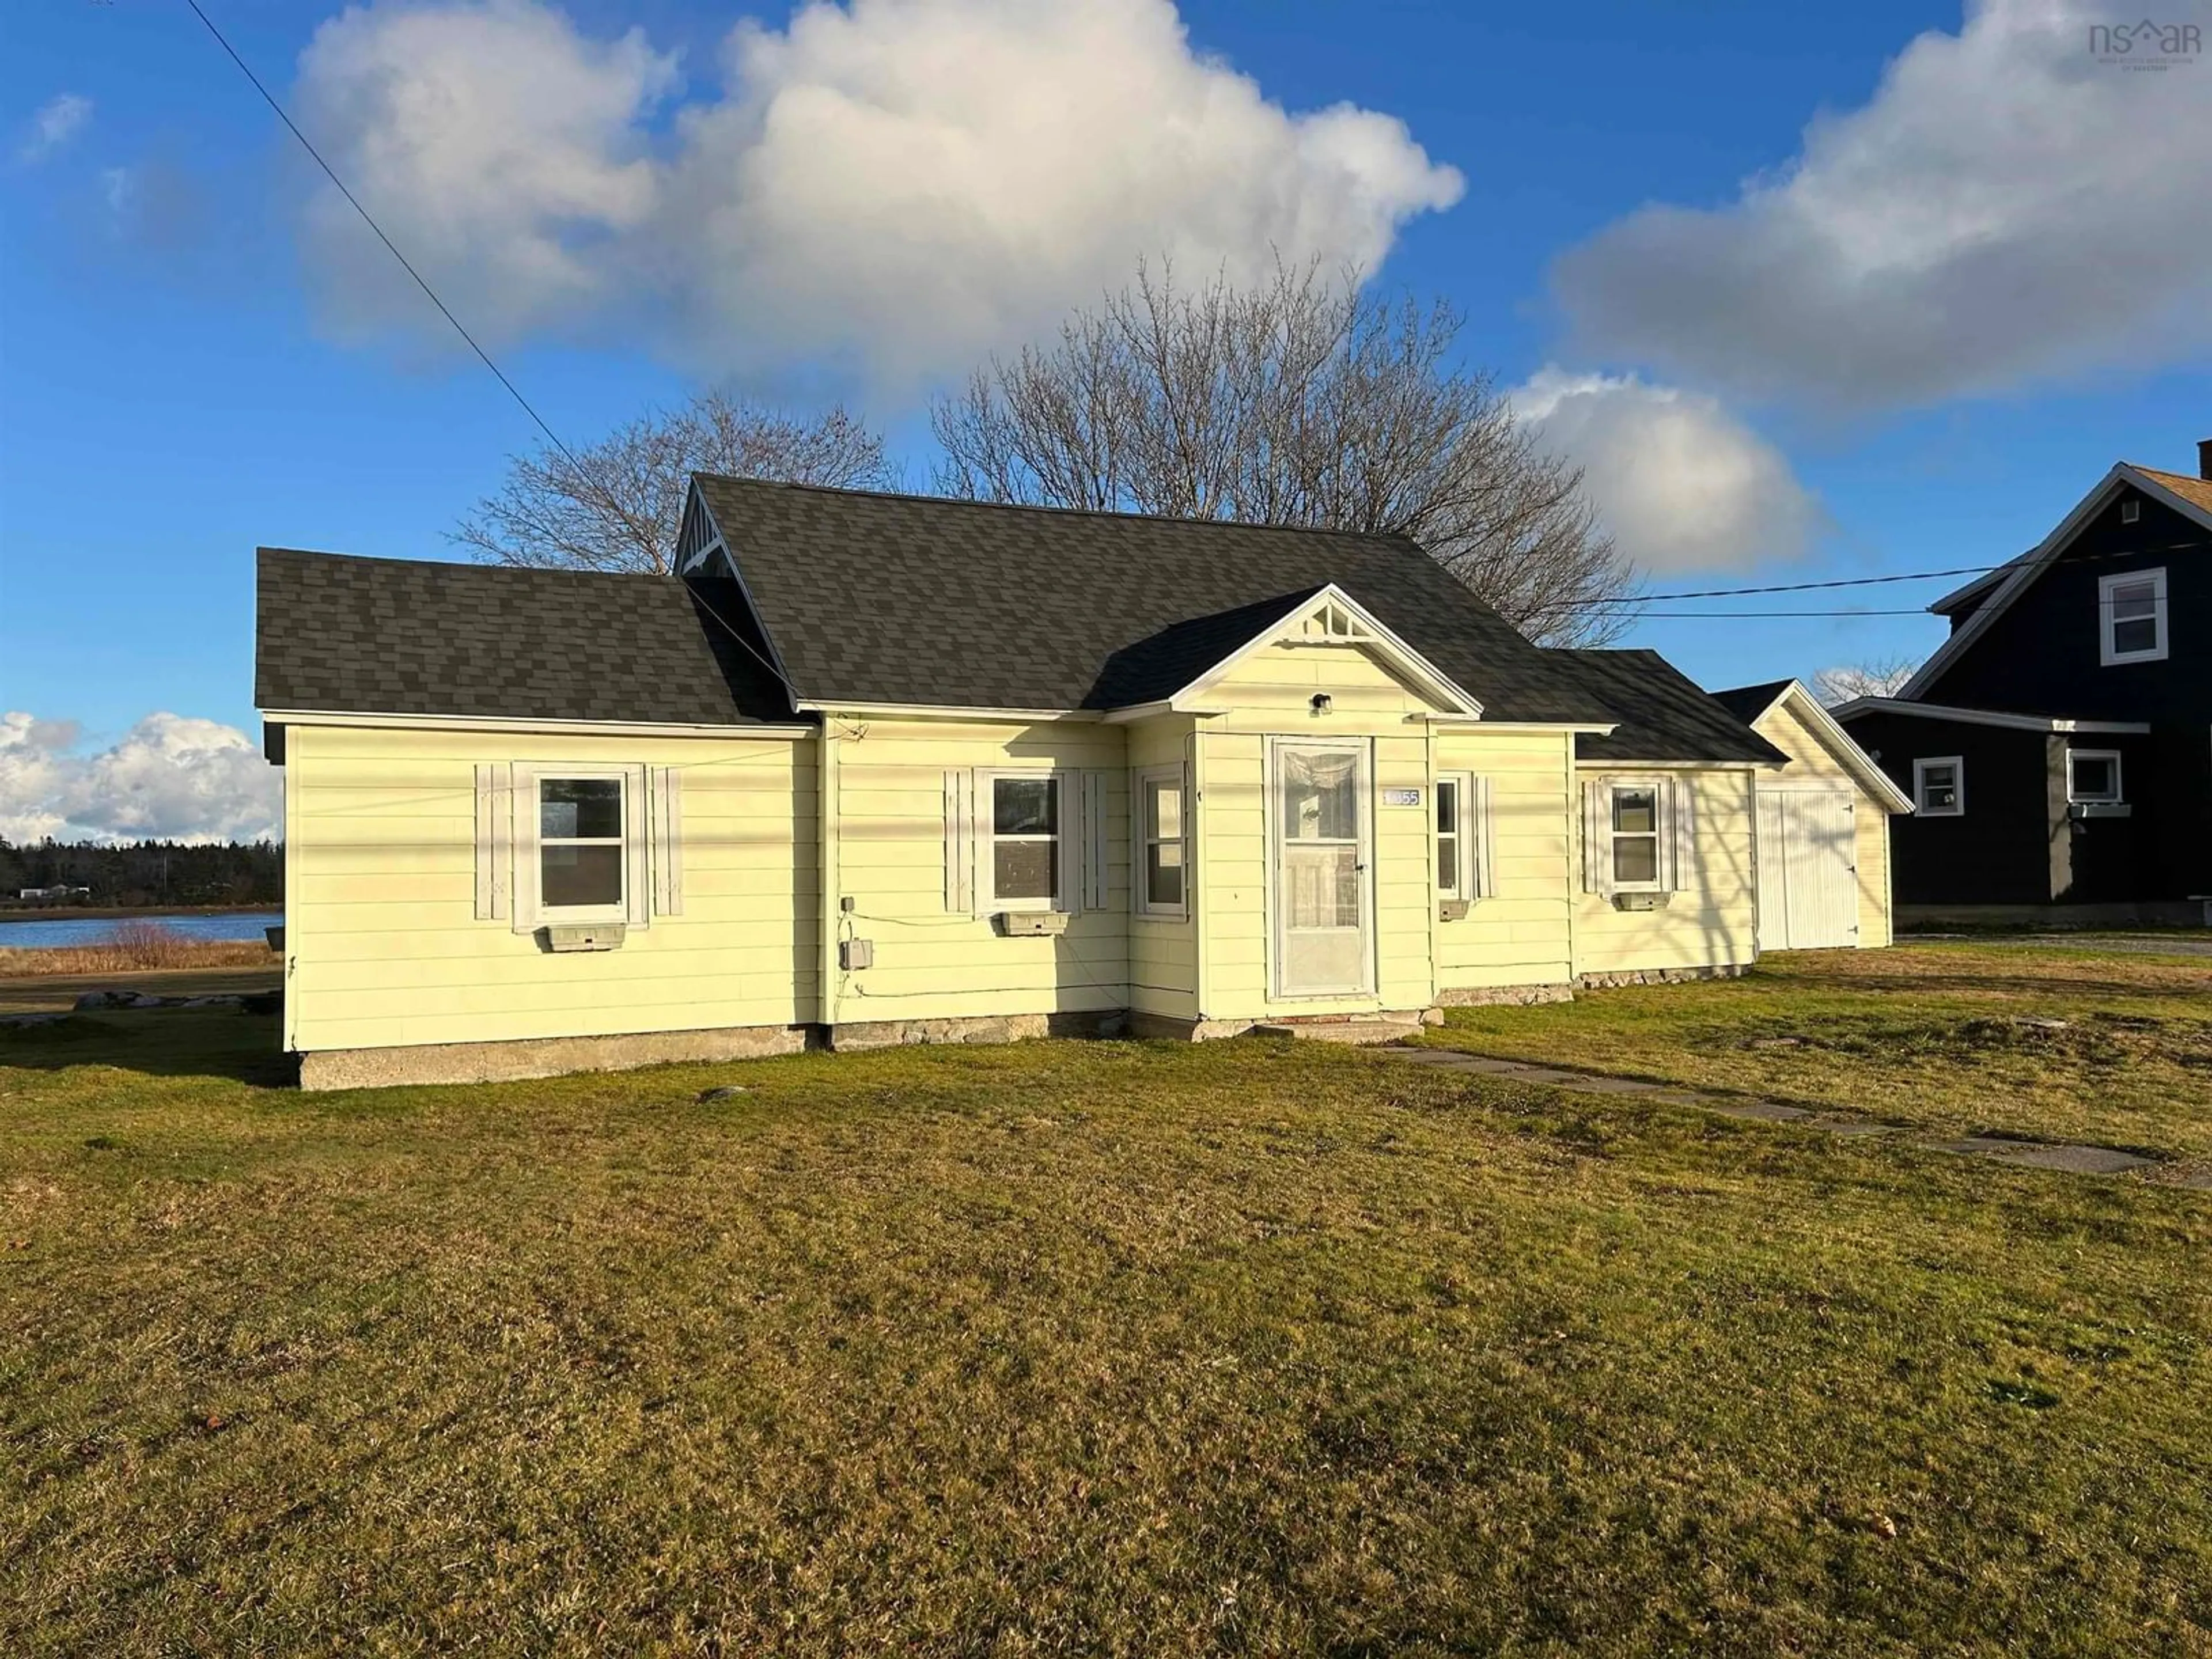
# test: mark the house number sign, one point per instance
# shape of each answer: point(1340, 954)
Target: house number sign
point(1401, 798)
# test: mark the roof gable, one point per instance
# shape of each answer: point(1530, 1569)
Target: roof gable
point(916, 601)
point(2195, 492)
point(1328, 619)
point(2021, 573)
point(1769, 701)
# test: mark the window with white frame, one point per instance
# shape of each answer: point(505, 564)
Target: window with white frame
point(1451, 840)
point(1459, 840)
point(2093, 777)
point(2131, 617)
point(1636, 829)
point(1021, 859)
point(1162, 887)
point(582, 853)
point(1939, 787)
point(1638, 834)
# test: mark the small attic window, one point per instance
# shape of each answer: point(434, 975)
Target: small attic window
point(2130, 511)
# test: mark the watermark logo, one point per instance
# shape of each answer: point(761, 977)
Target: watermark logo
point(2149, 45)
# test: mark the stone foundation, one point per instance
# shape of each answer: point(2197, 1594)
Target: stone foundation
point(1660, 976)
point(1170, 1028)
point(1510, 996)
point(507, 1062)
point(852, 1035)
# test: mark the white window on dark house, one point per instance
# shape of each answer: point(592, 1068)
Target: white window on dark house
point(1160, 890)
point(1636, 830)
point(2131, 617)
point(582, 863)
point(2130, 511)
point(1939, 787)
point(1021, 862)
point(2093, 777)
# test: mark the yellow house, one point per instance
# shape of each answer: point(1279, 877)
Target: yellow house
point(878, 768)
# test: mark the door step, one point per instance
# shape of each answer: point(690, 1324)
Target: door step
point(1360, 1031)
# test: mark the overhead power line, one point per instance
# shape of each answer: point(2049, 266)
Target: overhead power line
point(1861, 581)
point(1806, 588)
point(554, 437)
point(366, 218)
point(1761, 616)
point(446, 311)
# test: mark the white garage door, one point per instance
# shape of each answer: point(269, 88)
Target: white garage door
point(1807, 869)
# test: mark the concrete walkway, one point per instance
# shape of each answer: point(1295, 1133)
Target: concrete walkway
point(2066, 1158)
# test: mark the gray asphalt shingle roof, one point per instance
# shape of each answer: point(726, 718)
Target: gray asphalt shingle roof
point(880, 598)
point(1748, 702)
point(1663, 716)
point(913, 599)
point(400, 636)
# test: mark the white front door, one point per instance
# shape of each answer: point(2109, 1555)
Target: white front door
point(1322, 898)
point(1807, 869)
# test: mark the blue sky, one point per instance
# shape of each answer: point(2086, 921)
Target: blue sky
point(1928, 330)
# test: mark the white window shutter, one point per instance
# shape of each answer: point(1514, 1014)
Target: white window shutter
point(1597, 838)
point(522, 847)
point(1478, 834)
point(960, 842)
point(1090, 792)
point(667, 822)
point(1682, 843)
point(637, 815)
point(495, 842)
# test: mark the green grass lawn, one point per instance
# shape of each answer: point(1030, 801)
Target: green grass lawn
point(1250, 1347)
point(1941, 1036)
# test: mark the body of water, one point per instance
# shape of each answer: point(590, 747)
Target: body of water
point(91, 930)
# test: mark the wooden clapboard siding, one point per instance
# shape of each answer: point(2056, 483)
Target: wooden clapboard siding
point(1162, 950)
point(1283, 679)
point(382, 941)
point(1522, 935)
point(1711, 921)
point(385, 947)
point(931, 963)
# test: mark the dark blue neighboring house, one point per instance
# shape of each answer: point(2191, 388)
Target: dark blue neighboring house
point(2059, 747)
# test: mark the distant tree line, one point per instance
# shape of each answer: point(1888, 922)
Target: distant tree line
point(149, 872)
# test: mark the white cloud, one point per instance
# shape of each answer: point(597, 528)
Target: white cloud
point(502, 150)
point(898, 185)
point(1678, 480)
point(2005, 209)
point(59, 120)
point(169, 778)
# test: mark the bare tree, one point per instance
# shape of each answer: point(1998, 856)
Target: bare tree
point(1298, 400)
point(1885, 677)
point(617, 504)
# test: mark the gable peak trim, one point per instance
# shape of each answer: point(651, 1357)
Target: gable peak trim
point(1343, 623)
